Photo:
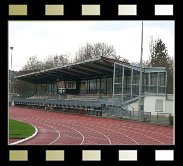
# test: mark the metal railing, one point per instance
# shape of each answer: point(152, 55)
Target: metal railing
point(162, 119)
point(71, 103)
point(113, 107)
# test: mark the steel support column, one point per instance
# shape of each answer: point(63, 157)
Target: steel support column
point(157, 82)
point(100, 85)
point(114, 73)
point(131, 83)
point(166, 82)
point(89, 86)
point(36, 89)
point(122, 83)
point(140, 81)
point(149, 82)
point(106, 85)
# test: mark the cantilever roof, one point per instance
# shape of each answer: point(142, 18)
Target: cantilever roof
point(92, 68)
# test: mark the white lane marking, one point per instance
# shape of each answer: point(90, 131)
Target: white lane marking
point(91, 130)
point(56, 138)
point(81, 133)
point(23, 140)
point(97, 132)
point(129, 130)
point(91, 143)
point(101, 133)
point(57, 131)
point(71, 136)
point(131, 137)
point(76, 131)
point(104, 139)
point(70, 128)
point(124, 126)
point(120, 134)
point(44, 130)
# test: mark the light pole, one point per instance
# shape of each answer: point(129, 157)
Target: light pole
point(140, 81)
point(11, 48)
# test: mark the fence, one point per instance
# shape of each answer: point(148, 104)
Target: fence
point(124, 113)
point(112, 111)
point(98, 108)
point(164, 119)
point(142, 116)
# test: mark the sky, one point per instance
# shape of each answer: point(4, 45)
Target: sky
point(47, 38)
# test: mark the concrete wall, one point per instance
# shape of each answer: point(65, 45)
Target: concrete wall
point(150, 102)
point(169, 107)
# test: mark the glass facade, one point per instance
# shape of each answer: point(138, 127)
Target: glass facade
point(101, 85)
point(127, 83)
point(123, 83)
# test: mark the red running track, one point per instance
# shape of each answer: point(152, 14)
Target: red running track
point(67, 129)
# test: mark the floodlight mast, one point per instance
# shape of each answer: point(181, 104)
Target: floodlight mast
point(140, 81)
point(10, 89)
point(11, 48)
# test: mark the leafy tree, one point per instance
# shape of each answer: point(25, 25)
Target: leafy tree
point(159, 57)
point(170, 75)
point(159, 53)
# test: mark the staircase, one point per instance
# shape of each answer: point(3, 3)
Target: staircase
point(122, 107)
point(125, 111)
point(132, 100)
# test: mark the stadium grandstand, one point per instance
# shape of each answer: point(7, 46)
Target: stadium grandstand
point(102, 85)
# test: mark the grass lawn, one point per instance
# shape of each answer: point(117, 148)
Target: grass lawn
point(20, 129)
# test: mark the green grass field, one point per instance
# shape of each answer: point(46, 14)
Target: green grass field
point(20, 129)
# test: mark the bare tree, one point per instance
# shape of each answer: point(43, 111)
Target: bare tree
point(55, 61)
point(104, 50)
point(97, 50)
point(33, 65)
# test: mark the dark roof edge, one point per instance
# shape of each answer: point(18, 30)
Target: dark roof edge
point(91, 60)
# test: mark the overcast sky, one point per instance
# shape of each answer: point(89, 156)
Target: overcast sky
point(44, 38)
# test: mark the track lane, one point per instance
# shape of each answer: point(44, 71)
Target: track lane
point(93, 130)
